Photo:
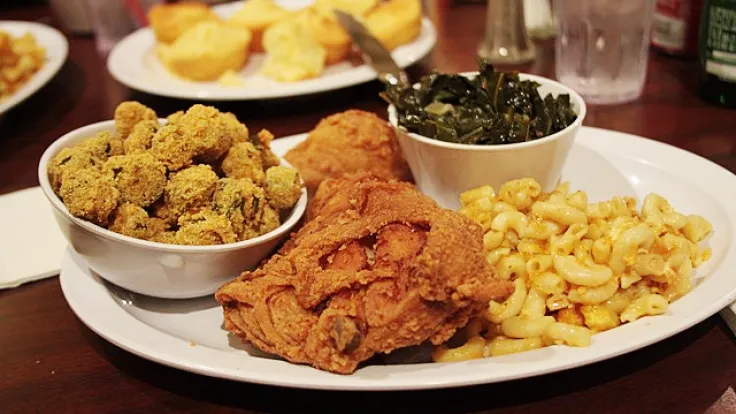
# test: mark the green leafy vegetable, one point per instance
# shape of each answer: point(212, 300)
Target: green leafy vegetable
point(492, 108)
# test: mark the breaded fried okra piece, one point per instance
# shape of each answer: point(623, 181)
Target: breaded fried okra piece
point(243, 160)
point(205, 127)
point(240, 201)
point(268, 220)
point(132, 220)
point(103, 145)
point(237, 130)
point(68, 160)
point(141, 137)
point(128, 114)
point(204, 227)
point(262, 141)
point(89, 194)
point(283, 187)
point(139, 177)
point(172, 147)
point(188, 190)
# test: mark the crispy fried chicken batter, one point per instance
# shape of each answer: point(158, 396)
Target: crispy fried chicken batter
point(349, 142)
point(390, 271)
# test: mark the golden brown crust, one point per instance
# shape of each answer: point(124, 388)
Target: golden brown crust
point(346, 143)
point(393, 270)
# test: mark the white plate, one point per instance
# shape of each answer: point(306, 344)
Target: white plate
point(188, 334)
point(56, 47)
point(133, 62)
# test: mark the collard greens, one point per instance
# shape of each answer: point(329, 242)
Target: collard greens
point(492, 108)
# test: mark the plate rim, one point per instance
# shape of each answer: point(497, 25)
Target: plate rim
point(359, 74)
point(459, 377)
point(50, 68)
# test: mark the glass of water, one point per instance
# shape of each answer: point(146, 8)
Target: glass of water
point(602, 47)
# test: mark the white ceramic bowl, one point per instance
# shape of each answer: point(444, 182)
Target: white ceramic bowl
point(443, 170)
point(157, 269)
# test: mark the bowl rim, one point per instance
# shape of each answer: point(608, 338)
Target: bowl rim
point(576, 98)
point(297, 212)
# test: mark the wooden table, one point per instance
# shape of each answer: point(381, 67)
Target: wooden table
point(50, 362)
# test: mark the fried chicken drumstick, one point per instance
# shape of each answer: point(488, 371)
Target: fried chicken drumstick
point(388, 269)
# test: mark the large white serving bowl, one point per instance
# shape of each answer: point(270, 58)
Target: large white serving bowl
point(443, 170)
point(156, 269)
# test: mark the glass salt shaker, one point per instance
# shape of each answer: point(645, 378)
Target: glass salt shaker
point(506, 40)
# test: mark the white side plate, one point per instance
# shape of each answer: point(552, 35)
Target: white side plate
point(187, 334)
point(133, 62)
point(56, 47)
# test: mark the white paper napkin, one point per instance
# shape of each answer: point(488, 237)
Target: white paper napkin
point(31, 244)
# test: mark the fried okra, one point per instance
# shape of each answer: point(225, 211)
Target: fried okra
point(188, 190)
point(132, 220)
point(68, 160)
point(103, 145)
point(240, 201)
point(283, 187)
point(204, 227)
point(89, 194)
point(128, 114)
point(262, 141)
point(244, 161)
point(267, 220)
point(141, 137)
point(139, 177)
point(205, 127)
point(171, 146)
point(237, 130)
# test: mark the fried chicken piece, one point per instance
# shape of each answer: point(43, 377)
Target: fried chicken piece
point(349, 142)
point(171, 146)
point(243, 160)
point(69, 159)
point(139, 177)
point(334, 194)
point(392, 271)
point(203, 228)
point(283, 187)
point(240, 201)
point(141, 137)
point(188, 190)
point(132, 220)
point(89, 194)
point(128, 114)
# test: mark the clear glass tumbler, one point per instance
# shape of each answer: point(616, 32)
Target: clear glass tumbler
point(602, 47)
point(112, 20)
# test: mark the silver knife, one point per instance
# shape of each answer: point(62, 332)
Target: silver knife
point(373, 51)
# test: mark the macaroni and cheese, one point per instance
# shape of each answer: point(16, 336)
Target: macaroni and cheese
point(578, 268)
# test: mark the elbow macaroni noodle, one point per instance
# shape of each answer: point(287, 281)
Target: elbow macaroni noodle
point(577, 268)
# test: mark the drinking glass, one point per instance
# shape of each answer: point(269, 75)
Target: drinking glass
point(112, 20)
point(602, 47)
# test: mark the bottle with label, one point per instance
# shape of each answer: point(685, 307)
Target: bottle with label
point(675, 27)
point(718, 52)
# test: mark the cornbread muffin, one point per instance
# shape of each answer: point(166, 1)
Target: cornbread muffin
point(257, 16)
point(292, 54)
point(354, 7)
point(323, 28)
point(206, 51)
point(395, 22)
point(169, 21)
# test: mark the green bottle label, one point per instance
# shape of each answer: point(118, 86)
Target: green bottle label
point(719, 48)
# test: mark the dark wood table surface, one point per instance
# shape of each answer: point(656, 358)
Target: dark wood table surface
point(50, 362)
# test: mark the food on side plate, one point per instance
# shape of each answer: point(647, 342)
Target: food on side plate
point(490, 109)
point(578, 268)
point(349, 142)
point(187, 182)
point(391, 271)
point(292, 54)
point(20, 58)
point(322, 27)
point(169, 21)
point(395, 22)
point(194, 43)
point(257, 16)
point(206, 51)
